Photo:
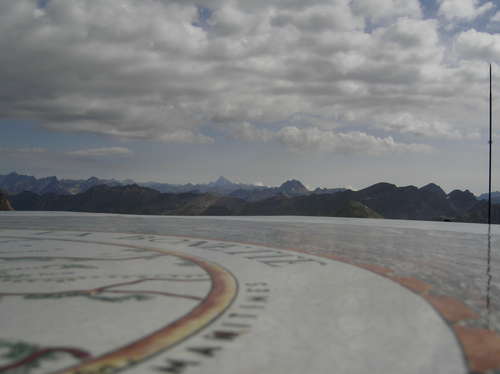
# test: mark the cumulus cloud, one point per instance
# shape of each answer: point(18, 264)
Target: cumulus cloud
point(407, 123)
point(463, 10)
point(386, 10)
point(167, 70)
point(317, 139)
point(475, 45)
point(333, 16)
point(101, 152)
point(348, 142)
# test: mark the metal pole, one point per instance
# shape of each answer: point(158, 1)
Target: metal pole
point(489, 184)
point(489, 277)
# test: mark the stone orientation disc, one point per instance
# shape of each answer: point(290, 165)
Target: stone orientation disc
point(90, 302)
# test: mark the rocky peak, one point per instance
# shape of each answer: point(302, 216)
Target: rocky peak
point(222, 182)
point(433, 188)
point(294, 187)
point(462, 194)
point(462, 200)
point(379, 189)
point(48, 180)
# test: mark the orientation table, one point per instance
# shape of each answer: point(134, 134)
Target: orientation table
point(99, 293)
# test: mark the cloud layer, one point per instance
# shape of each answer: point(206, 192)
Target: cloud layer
point(180, 71)
point(317, 139)
point(101, 152)
point(463, 10)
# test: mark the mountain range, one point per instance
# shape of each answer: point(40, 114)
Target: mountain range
point(381, 200)
point(223, 197)
point(495, 197)
point(14, 183)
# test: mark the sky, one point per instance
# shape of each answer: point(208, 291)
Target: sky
point(334, 93)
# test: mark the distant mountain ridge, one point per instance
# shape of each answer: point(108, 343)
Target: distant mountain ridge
point(495, 197)
point(14, 183)
point(385, 200)
point(130, 199)
point(289, 188)
point(381, 200)
point(223, 197)
point(221, 186)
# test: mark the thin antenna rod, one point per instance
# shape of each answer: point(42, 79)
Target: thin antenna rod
point(489, 184)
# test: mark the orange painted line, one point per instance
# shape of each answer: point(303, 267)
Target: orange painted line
point(414, 284)
point(481, 346)
point(451, 309)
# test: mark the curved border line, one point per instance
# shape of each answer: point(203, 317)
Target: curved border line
point(221, 295)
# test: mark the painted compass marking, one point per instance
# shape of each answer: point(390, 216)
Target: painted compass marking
point(255, 327)
point(92, 292)
point(221, 294)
